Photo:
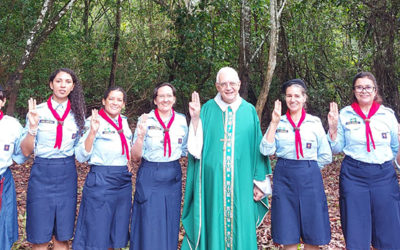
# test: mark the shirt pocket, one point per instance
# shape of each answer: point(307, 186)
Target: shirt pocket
point(380, 133)
point(47, 131)
point(355, 133)
point(309, 142)
point(155, 138)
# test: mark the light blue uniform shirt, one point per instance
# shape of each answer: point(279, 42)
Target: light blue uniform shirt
point(313, 140)
point(107, 146)
point(153, 145)
point(10, 140)
point(47, 131)
point(351, 137)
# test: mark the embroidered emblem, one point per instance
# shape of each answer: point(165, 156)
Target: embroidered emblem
point(6, 147)
point(384, 135)
point(281, 130)
point(47, 121)
point(180, 141)
point(308, 145)
point(108, 131)
point(353, 121)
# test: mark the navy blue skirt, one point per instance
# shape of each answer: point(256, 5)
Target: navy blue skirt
point(51, 200)
point(105, 210)
point(369, 205)
point(157, 206)
point(299, 210)
point(8, 212)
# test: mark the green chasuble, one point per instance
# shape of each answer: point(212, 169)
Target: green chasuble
point(219, 211)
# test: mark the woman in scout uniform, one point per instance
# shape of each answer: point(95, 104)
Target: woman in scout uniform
point(160, 140)
point(51, 132)
point(104, 213)
point(10, 150)
point(367, 132)
point(299, 210)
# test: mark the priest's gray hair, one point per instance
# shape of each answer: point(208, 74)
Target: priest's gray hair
point(228, 70)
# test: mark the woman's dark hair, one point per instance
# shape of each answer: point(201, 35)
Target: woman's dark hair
point(113, 88)
point(76, 97)
point(371, 77)
point(2, 93)
point(155, 92)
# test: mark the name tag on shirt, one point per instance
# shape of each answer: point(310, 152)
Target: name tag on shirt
point(281, 130)
point(6, 147)
point(154, 127)
point(107, 132)
point(308, 145)
point(353, 121)
point(47, 121)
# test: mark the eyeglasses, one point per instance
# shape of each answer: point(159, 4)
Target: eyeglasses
point(165, 96)
point(225, 84)
point(368, 89)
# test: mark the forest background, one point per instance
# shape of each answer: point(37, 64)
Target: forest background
point(137, 44)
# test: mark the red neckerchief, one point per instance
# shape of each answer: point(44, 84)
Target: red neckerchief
point(375, 106)
point(119, 129)
point(1, 114)
point(1, 190)
point(297, 136)
point(167, 139)
point(59, 120)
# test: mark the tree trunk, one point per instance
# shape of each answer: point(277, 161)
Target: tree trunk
point(273, 47)
point(244, 48)
point(116, 44)
point(384, 26)
point(32, 46)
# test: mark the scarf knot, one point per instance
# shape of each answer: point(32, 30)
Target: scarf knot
point(124, 143)
point(367, 119)
point(167, 139)
point(297, 136)
point(60, 121)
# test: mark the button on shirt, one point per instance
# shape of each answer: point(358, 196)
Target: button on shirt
point(47, 131)
point(107, 146)
point(313, 139)
point(10, 140)
point(351, 136)
point(153, 144)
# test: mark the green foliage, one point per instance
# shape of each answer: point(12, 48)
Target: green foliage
point(323, 42)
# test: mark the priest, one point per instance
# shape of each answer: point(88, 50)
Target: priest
point(227, 177)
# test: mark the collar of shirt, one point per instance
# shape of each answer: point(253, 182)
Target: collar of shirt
point(59, 107)
point(152, 115)
point(308, 118)
point(224, 106)
point(381, 111)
